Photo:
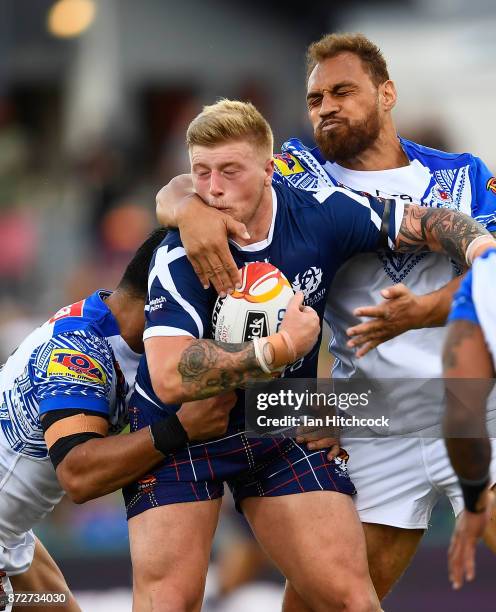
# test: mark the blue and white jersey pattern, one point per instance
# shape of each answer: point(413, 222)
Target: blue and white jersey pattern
point(475, 301)
point(76, 360)
point(433, 178)
point(311, 235)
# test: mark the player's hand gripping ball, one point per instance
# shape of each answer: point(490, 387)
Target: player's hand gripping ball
point(256, 309)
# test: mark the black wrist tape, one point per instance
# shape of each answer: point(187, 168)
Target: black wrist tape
point(472, 490)
point(168, 435)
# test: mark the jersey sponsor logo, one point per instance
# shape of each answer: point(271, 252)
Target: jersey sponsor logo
point(287, 164)
point(75, 365)
point(73, 310)
point(256, 325)
point(491, 185)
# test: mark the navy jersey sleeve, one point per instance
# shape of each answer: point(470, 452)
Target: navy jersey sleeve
point(177, 304)
point(463, 307)
point(357, 223)
point(73, 370)
point(484, 194)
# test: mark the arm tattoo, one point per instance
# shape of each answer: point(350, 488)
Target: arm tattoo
point(208, 367)
point(465, 411)
point(463, 330)
point(438, 229)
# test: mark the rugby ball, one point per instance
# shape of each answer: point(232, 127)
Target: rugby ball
point(256, 309)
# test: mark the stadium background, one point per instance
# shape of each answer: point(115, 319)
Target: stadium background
point(92, 124)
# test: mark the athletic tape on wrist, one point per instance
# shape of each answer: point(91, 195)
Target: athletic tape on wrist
point(290, 345)
point(476, 242)
point(260, 356)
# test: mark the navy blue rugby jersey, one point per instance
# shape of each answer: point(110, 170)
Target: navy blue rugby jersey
point(311, 236)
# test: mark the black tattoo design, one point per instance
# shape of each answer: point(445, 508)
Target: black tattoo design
point(456, 335)
point(208, 367)
point(437, 229)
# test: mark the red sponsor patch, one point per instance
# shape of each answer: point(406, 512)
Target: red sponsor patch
point(491, 184)
point(73, 310)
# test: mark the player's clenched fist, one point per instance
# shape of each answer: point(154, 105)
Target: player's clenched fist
point(302, 325)
point(207, 418)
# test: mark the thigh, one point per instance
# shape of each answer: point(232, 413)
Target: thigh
point(44, 576)
point(170, 549)
point(317, 541)
point(389, 552)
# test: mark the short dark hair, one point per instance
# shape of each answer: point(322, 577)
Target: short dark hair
point(135, 278)
point(331, 45)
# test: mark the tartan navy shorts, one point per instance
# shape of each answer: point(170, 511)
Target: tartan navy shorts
point(252, 467)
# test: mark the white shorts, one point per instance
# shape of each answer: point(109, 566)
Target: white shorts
point(29, 489)
point(400, 480)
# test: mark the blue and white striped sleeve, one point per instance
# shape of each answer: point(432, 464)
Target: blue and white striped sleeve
point(177, 304)
point(463, 307)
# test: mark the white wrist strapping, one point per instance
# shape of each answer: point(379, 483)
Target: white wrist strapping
point(476, 242)
point(258, 346)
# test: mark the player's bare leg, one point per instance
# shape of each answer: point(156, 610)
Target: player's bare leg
point(490, 533)
point(389, 551)
point(170, 550)
point(316, 540)
point(44, 576)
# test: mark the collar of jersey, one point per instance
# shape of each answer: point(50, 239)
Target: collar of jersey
point(263, 244)
point(95, 308)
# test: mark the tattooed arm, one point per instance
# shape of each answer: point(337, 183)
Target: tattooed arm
point(467, 366)
point(183, 369)
point(437, 229)
point(467, 370)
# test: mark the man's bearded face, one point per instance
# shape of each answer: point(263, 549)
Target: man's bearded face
point(343, 139)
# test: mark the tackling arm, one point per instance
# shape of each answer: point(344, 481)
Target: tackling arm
point(440, 230)
point(94, 466)
point(204, 233)
point(466, 356)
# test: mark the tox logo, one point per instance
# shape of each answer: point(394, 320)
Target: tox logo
point(76, 365)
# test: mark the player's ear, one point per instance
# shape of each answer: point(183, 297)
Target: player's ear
point(387, 95)
point(269, 171)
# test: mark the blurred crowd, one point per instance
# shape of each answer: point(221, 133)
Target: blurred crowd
point(71, 216)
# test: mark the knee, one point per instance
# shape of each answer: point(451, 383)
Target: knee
point(361, 602)
point(166, 596)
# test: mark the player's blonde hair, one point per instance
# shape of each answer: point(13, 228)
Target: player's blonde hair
point(230, 120)
point(331, 45)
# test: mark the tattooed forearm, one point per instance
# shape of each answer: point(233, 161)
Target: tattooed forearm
point(468, 382)
point(208, 368)
point(457, 334)
point(437, 229)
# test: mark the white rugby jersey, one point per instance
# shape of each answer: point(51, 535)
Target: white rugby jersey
point(76, 360)
point(433, 178)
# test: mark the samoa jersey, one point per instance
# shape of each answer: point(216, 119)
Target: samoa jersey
point(76, 360)
point(476, 299)
point(433, 178)
point(310, 237)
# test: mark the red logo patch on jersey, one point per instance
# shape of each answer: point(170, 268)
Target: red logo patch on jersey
point(73, 310)
point(491, 184)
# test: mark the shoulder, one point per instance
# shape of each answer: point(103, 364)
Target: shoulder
point(420, 152)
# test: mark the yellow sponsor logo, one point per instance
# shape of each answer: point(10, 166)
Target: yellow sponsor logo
point(287, 164)
point(76, 365)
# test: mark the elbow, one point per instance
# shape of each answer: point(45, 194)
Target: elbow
point(75, 488)
point(75, 483)
point(168, 390)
